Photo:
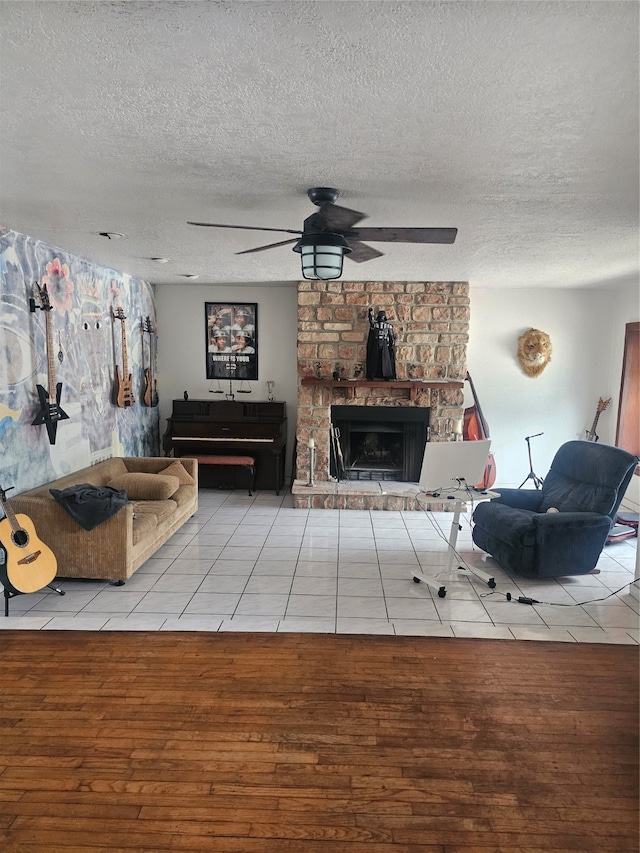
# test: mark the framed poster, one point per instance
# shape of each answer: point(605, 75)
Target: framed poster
point(232, 340)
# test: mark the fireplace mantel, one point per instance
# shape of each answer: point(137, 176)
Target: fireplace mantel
point(412, 385)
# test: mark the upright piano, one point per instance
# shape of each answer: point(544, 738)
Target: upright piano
point(228, 427)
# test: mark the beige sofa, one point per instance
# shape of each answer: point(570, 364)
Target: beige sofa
point(162, 500)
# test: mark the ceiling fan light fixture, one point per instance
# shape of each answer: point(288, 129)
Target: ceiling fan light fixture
point(322, 255)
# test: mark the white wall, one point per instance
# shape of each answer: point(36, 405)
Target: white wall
point(182, 344)
point(587, 330)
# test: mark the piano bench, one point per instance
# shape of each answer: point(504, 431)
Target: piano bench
point(247, 462)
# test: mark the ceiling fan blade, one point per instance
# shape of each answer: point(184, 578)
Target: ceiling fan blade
point(244, 227)
point(405, 235)
point(360, 252)
point(340, 218)
point(270, 246)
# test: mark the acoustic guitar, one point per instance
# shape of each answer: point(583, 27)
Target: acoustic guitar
point(150, 396)
point(50, 412)
point(590, 434)
point(124, 380)
point(26, 563)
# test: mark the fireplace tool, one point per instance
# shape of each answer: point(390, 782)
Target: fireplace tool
point(537, 481)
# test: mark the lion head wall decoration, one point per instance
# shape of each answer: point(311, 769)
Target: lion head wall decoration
point(534, 351)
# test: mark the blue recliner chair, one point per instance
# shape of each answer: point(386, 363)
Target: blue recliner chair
point(585, 483)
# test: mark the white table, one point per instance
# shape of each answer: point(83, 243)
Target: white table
point(460, 497)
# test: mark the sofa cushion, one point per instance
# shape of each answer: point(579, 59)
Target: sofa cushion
point(161, 509)
point(146, 487)
point(143, 526)
point(177, 469)
point(184, 495)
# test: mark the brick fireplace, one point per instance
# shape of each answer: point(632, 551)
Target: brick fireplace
point(431, 321)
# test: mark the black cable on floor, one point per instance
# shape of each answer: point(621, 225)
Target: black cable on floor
point(523, 599)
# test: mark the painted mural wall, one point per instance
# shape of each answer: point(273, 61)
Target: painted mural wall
point(83, 351)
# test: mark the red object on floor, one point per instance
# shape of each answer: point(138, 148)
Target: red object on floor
point(626, 527)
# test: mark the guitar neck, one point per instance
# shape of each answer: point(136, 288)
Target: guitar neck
point(51, 373)
point(10, 514)
point(150, 355)
point(125, 357)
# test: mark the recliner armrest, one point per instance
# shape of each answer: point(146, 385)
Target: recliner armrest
point(520, 498)
point(506, 521)
point(575, 520)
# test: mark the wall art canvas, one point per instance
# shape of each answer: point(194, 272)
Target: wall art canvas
point(232, 340)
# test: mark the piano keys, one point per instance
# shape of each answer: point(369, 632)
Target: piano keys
point(229, 427)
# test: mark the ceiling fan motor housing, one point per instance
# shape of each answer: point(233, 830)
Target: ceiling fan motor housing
point(323, 195)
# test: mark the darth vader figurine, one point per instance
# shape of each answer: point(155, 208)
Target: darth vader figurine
point(381, 348)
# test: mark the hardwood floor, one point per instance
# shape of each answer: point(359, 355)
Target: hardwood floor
point(280, 743)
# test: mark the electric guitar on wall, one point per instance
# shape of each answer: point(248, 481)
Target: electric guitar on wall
point(124, 384)
point(151, 384)
point(50, 412)
point(590, 434)
point(26, 563)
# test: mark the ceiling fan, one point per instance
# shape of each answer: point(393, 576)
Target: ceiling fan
point(331, 219)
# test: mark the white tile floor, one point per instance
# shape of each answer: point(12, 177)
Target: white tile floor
point(257, 564)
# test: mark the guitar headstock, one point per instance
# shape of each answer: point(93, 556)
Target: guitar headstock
point(3, 493)
point(603, 405)
point(118, 314)
point(147, 325)
point(43, 297)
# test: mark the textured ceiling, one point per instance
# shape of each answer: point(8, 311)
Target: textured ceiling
point(516, 122)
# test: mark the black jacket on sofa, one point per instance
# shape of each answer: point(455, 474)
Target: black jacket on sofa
point(90, 505)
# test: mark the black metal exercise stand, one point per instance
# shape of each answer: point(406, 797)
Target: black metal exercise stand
point(537, 481)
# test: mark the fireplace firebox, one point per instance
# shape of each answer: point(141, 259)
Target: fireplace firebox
point(380, 442)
